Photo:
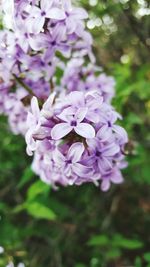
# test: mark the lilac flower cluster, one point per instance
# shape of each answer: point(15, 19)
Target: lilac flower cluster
point(63, 109)
point(75, 139)
point(40, 33)
point(39, 30)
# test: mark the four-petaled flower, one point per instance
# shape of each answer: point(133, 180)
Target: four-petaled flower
point(102, 154)
point(38, 15)
point(113, 176)
point(72, 121)
point(71, 162)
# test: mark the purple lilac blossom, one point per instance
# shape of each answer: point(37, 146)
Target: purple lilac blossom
point(96, 148)
point(68, 122)
point(76, 71)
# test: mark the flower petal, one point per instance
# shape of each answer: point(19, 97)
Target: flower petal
point(121, 132)
point(55, 13)
point(37, 42)
point(35, 25)
point(71, 25)
point(45, 5)
point(104, 164)
point(76, 98)
point(60, 130)
point(35, 107)
point(111, 150)
point(85, 130)
point(81, 170)
point(58, 157)
point(116, 177)
point(31, 143)
point(93, 116)
point(59, 34)
point(92, 144)
point(66, 114)
point(80, 114)
point(104, 133)
point(80, 13)
point(75, 152)
point(105, 185)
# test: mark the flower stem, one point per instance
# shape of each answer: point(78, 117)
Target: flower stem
point(52, 86)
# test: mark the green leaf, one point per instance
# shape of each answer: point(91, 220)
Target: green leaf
point(3, 206)
point(147, 257)
point(126, 243)
point(100, 240)
point(27, 176)
point(114, 253)
point(39, 211)
point(19, 208)
point(138, 262)
point(37, 188)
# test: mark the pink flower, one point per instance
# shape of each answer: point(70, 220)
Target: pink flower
point(73, 122)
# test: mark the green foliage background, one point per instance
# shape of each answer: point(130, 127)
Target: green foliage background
point(81, 226)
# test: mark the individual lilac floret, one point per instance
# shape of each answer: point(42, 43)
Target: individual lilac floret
point(70, 164)
point(74, 16)
point(73, 121)
point(37, 15)
point(114, 176)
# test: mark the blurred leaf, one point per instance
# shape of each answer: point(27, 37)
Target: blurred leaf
point(138, 262)
point(147, 256)
point(3, 206)
point(39, 211)
point(26, 177)
point(37, 188)
point(9, 233)
point(125, 243)
point(133, 118)
point(100, 240)
point(114, 253)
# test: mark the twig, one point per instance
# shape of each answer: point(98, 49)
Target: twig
point(52, 86)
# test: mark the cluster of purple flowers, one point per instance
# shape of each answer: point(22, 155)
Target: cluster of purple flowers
point(54, 95)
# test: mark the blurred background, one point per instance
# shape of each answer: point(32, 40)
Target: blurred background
point(81, 226)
